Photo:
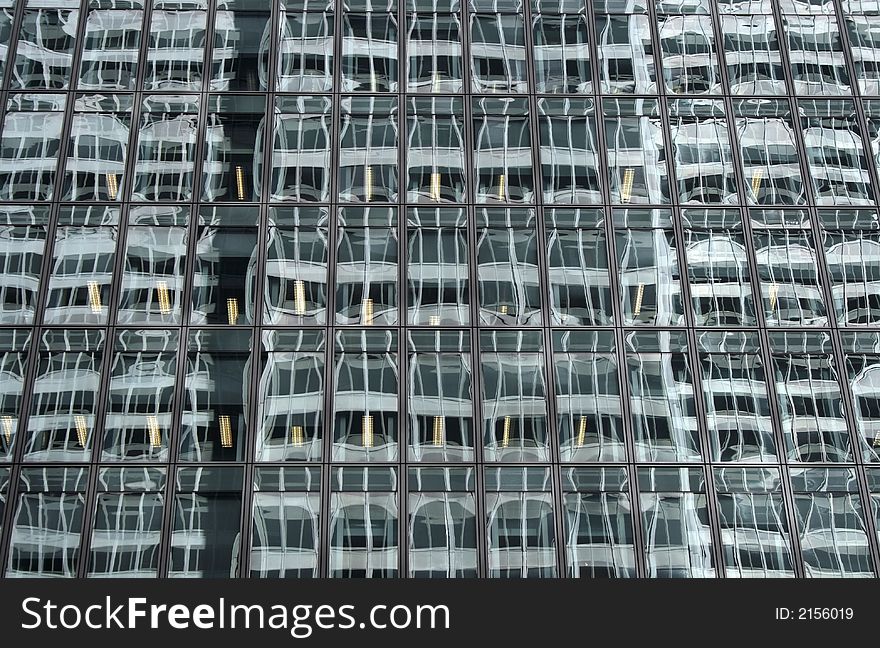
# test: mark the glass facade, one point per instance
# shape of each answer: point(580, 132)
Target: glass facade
point(439, 288)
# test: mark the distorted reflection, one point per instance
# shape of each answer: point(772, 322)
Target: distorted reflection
point(626, 54)
point(816, 56)
point(232, 149)
point(365, 419)
point(502, 151)
point(442, 529)
point(562, 53)
point(440, 410)
point(363, 523)
point(520, 523)
point(675, 521)
point(23, 233)
point(569, 151)
point(291, 400)
point(435, 151)
point(286, 523)
point(852, 252)
point(588, 404)
point(305, 55)
point(751, 50)
point(637, 158)
point(690, 64)
point(29, 146)
point(111, 46)
point(368, 163)
point(498, 53)
point(433, 46)
point(514, 397)
point(369, 52)
point(176, 50)
point(45, 49)
point(14, 347)
point(863, 374)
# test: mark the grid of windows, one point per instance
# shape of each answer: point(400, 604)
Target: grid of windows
point(439, 288)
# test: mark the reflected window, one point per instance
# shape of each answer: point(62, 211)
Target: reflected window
point(675, 523)
point(440, 417)
point(751, 51)
point(285, 525)
point(648, 272)
point(291, 401)
point(433, 46)
point(599, 541)
point(155, 257)
point(864, 40)
point(687, 45)
point(816, 56)
point(502, 151)
point(47, 523)
point(166, 149)
point(863, 375)
point(831, 524)
point(717, 268)
point(45, 49)
point(438, 281)
point(587, 380)
point(365, 423)
point(442, 533)
point(368, 160)
point(626, 54)
point(809, 392)
point(514, 397)
point(363, 523)
point(366, 266)
point(23, 233)
point(520, 523)
point(736, 400)
point(205, 534)
point(435, 151)
point(569, 151)
point(29, 146)
point(305, 55)
point(300, 150)
point(295, 281)
point(176, 50)
point(140, 398)
point(755, 537)
point(232, 149)
point(214, 424)
point(238, 53)
point(662, 398)
point(636, 151)
point(127, 527)
point(111, 46)
point(369, 52)
point(498, 53)
point(852, 252)
point(562, 53)
point(14, 346)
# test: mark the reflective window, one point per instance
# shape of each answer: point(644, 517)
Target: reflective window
point(578, 267)
point(138, 422)
point(366, 266)
point(438, 280)
point(285, 523)
point(626, 54)
point(852, 240)
point(363, 523)
point(808, 389)
point(791, 289)
point(97, 148)
point(440, 417)
point(751, 51)
point(225, 273)
point(435, 151)
point(520, 523)
point(291, 400)
point(702, 153)
point(514, 397)
point(433, 46)
point(636, 152)
point(442, 533)
point(214, 424)
point(675, 523)
point(368, 163)
point(662, 397)
point(45, 49)
point(498, 53)
point(831, 523)
point(365, 423)
point(507, 267)
point(863, 369)
point(112, 41)
point(127, 525)
point(599, 541)
point(369, 52)
point(205, 533)
point(176, 49)
point(166, 148)
point(755, 536)
point(569, 151)
point(588, 406)
point(502, 151)
point(295, 281)
point(233, 134)
point(816, 55)
point(238, 55)
point(687, 46)
point(736, 399)
point(29, 146)
point(47, 523)
point(23, 233)
point(650, 290)
point(305, 53)
point(765, 135)
point(300, 150)
point(717, 268)
point(14, 347)
point(155, 258)
point(562, 53)
point(864, 40)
